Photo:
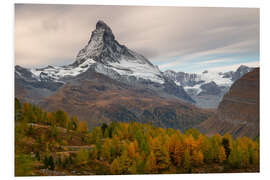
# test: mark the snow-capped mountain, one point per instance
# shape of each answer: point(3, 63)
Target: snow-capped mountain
point(207, 88)
point(104, 55)
point(108, 56)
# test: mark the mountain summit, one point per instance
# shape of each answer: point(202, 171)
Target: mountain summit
point(101, 44)
point(104, 55)
point(102, 47)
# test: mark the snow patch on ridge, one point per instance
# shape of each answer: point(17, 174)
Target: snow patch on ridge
point(134, 67)
point(216, 77)
point(196, 88)
point(208, 77)
point(57, 72)
point(138, 69)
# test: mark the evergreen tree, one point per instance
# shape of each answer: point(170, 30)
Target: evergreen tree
point(104, 126)
point(17, 109)
point(51, 165)
point(226, 146)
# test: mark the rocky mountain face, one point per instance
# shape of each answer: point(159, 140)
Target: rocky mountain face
point(109, 82)
point(106, 56)
point(207, 88)
point(238, 112)
point(241, 71)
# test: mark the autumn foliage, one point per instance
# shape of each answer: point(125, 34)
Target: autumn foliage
point(131, 148)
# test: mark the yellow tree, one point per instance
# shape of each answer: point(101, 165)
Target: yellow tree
point(189, 143)
point(131, 150)
point(51, 119)
point(151, 164)
point(255, 157)
point(215, 147)
point(171, 148)
point(197, 158)
point(222, 154)
point(83, 127)
point(116, 147)
point(178, 153)
point(125, 162)
point(243, 145)
point(254, 152)
point(106, 150)
point(204, 148)
point(200, 158)
point(82, 157)
point(161, 154)
point(187, 159)
point(115, 167)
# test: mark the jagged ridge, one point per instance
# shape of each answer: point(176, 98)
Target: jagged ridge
point(104, 55)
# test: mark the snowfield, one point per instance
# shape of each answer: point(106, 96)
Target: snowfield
point(208, 77)
point(138, 69)
point(216, 77)
point(58, 72)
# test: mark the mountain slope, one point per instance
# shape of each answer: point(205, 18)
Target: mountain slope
point(238, 112)
point(97, 99)
point(30, 88)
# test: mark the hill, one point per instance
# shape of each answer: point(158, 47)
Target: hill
point(238, 112)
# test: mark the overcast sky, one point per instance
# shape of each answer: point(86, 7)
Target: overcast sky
point(177, 38)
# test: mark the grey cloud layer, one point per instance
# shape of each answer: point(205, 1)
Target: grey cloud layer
point(53, 34)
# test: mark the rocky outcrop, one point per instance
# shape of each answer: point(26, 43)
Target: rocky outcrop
point(242, 70)
point(238, 112)
point(103, 47)
point(210, 88)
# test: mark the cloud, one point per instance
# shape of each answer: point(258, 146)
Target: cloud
point(215, 61)
point(234, 66)
point(53, 34)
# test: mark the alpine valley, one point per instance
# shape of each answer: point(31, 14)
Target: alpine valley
point(108, 82)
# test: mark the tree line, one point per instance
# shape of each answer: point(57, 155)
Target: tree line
point(132, 148)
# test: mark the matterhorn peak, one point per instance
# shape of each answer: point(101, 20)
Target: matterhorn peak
point(103, 30)
point(103, 26)
point(102, 46)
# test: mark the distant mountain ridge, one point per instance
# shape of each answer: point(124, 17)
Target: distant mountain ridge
point(207, 88)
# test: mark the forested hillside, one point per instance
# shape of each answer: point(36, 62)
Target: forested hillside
point(52, 143)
